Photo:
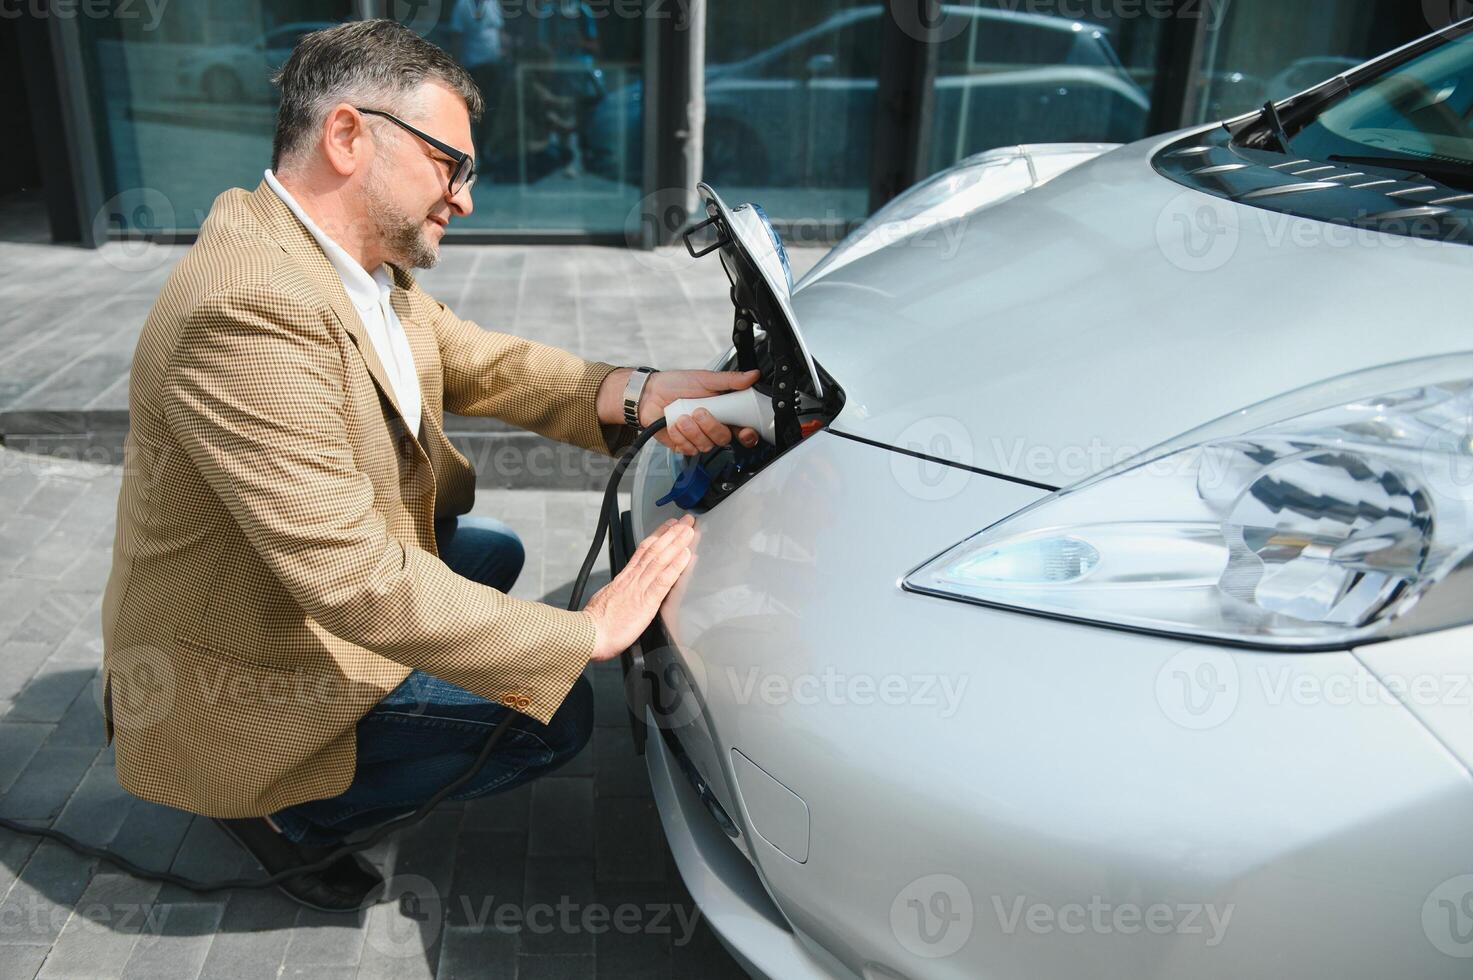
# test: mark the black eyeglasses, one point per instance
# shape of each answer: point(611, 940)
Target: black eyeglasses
point(464, 173)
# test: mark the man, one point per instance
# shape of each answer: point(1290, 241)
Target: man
point(303, 635)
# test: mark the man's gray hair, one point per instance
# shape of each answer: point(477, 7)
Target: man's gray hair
point(371, 63)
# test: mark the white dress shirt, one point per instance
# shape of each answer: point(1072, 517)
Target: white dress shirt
point(370, 296)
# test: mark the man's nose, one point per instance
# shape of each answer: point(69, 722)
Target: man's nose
point(461, 203)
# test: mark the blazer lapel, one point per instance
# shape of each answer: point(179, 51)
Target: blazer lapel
point(297, 242)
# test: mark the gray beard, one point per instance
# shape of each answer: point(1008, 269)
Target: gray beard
point(402, 237)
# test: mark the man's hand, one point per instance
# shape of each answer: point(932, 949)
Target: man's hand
point(624, 608)
point(691, 434)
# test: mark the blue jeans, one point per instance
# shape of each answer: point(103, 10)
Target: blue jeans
point(426, 732)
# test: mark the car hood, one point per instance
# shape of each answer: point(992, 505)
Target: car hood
point(1055, 334)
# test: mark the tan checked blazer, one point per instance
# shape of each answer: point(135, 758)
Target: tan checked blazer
point(274, 570)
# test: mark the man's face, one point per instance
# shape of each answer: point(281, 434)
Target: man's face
point(407, 186)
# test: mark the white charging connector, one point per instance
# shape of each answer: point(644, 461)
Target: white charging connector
point(739, 409)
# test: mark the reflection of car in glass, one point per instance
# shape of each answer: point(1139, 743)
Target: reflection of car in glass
point(965, 681)
point(1307, 72)
point(790, 115)
point(235, 73)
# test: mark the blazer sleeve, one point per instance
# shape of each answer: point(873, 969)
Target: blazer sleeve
point(524, 383)
point(256, 394)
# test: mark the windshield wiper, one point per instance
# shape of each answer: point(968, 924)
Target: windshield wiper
point(1276, 121)
point(1452, 174)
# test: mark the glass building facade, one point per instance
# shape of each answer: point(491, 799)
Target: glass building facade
point(796, 103)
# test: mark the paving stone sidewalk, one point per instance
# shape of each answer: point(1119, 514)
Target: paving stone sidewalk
point(586, 839)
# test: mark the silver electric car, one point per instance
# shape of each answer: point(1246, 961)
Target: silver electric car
point(1100, 605)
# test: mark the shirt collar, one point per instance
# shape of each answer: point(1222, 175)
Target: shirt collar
point(363, 289)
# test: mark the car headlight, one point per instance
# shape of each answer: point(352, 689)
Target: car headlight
point(974, 184)
point(1339, 514)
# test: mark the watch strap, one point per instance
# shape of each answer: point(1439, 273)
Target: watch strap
point(632, 392)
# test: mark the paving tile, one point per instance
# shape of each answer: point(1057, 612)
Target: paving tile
point(630, 842)
point(252, 936)
point(151, 835)
point(478, 954)
point(618, 771)
point(489, 873)
point(509, 811)
point(51, 691)
point(322, 939)
point(557, 892)
point(98, 939)
point(177, 949)
point(562, 818)
point(556, 968)
point(97, 809)
point(21, 962)
point(18, 743)
point(40, 902)
point(47, 782)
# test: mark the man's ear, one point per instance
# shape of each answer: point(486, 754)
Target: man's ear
point(345, 140)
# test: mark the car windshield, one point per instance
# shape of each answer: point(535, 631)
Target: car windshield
point(1420, 112)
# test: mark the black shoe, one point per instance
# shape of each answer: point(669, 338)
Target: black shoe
point(348, 884)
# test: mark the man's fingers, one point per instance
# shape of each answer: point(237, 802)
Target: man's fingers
point(670, 574)
point(671, 543)
point(642, 552)
point(732, 380)
point(692, 433)
point(714, 428)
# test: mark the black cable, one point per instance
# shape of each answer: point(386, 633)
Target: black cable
point(611, 495)
point(380, 832)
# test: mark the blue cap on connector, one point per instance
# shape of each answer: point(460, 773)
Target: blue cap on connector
point(689, 490)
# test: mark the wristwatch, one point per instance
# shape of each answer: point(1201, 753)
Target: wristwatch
point(632, 391)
